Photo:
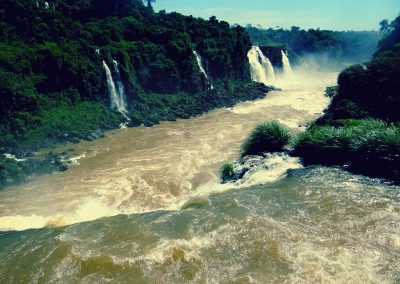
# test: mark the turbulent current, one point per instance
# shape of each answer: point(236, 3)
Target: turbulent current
point(144, 205)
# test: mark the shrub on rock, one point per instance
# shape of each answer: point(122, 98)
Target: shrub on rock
point(269, 136)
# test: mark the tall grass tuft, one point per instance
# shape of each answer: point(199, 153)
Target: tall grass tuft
point(269, 136)
point(227, 172)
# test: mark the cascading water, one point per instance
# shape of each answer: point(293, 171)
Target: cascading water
point(256, 69)
point(201, 67)
point(261, 67)
point(287, 69)
point(117, 96)
point(120, 85)
point(267, 65)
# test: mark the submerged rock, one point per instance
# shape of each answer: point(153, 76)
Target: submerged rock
point(258, 169)
point(244, 165)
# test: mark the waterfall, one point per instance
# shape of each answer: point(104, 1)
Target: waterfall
point(201, 67)
point(287, 69)
point(120, 85)
point(267, 65)
point(46, 5)
point(261, 68)
point(117, 96)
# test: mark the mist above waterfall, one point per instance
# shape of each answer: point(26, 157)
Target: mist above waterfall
point(286, 75)
point(322, 61)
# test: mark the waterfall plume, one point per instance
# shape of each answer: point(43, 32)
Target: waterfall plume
point(120, 85)
point(287, 69)
point(117, 95)
point(261, 68)
point(201, 67)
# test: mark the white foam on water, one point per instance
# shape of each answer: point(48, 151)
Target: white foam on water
point(90, 210)
point(182, 248)
point(75, 160)
point(19, 223)
point(12, 157)
point(275, 167)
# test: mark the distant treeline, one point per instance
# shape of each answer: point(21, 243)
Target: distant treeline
point(347, 46)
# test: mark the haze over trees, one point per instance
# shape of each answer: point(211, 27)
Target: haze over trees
point(348, 46)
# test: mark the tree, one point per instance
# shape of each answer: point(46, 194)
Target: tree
point(384, 25)
point(149, 3)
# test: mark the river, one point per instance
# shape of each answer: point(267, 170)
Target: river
point(144, 205)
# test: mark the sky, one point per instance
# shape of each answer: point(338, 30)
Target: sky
point(324, 14)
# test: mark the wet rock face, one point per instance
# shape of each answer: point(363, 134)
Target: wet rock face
point(260, 169)
point(274, 54)
point(245, 165)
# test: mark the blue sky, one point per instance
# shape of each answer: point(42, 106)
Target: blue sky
point(324, 14)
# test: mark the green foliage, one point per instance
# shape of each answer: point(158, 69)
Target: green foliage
point(367, 146)
point(27, 131)
point(392, 37)
point(330, 92)
point(227, 172)
point(373, 87)
point(266, 137)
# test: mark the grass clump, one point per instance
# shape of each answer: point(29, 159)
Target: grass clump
point(269, 136)
point(367, 146)
point(227, 172)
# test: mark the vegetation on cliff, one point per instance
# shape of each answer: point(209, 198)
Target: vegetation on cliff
point(53, 87)
point(53, 56)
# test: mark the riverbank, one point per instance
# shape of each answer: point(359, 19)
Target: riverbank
point(88, 120)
